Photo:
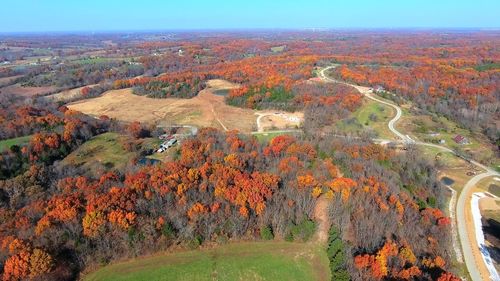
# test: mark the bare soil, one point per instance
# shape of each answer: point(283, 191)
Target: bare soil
point(322, 219)
point(271, 120)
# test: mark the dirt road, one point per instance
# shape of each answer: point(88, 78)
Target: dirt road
point(322, 219)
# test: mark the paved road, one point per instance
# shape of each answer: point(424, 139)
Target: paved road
point(462, 226)
point(460, 209)
point(367, 92)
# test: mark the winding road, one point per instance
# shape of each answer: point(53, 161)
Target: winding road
point(467, 250)
point(367, 92)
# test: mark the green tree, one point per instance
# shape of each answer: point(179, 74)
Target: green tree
point(336, 255)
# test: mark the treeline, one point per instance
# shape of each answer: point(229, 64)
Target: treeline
point(255, 97)
point(167, 89)
point(76, 74)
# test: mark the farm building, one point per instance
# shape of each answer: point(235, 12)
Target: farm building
point(461, 139)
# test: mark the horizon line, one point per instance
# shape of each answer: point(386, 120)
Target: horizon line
point(201, 30)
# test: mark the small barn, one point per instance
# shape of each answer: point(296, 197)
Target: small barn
point(461, 139)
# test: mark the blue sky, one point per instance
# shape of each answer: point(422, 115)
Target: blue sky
point(111, 15)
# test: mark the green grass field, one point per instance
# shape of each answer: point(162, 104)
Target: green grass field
point(105, 151)
point(236, 261)
point(362, 115)
point(6, 144)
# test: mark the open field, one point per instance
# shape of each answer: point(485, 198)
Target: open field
point(105, 151)
point(6, 144)
point(66, 95)
point(236, 261)
point(19, 90)
point(278, 49)
point(205, 110)
point(6, 80)
point(380, 113)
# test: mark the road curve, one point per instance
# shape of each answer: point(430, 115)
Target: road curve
point(367, 92)
point(465, 242)
point(469, 258)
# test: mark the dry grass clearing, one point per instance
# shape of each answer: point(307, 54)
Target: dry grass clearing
point(103, 152)
point(205, 110)
point(106, 152)
point(67, 95)
point(6, 80)
point(19, 90)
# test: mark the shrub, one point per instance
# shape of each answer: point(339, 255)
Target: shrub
point(302, 231)
point(266, 233)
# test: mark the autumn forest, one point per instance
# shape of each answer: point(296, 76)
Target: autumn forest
point(82, 189)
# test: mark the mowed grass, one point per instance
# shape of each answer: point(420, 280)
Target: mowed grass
point(6, 144)
point(236, 261)
point(383, 114)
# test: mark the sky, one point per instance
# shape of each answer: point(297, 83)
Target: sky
point(131, 15)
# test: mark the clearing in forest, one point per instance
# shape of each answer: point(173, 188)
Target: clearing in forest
point(206, 109)
point(6, 144)
point(105, 152)
point(19, 90)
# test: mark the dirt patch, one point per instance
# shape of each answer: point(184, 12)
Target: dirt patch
point(204, 110)
point(272, 120)
point(18, 90)
point(322, 219)
point(219, 84)
point(489, 204)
